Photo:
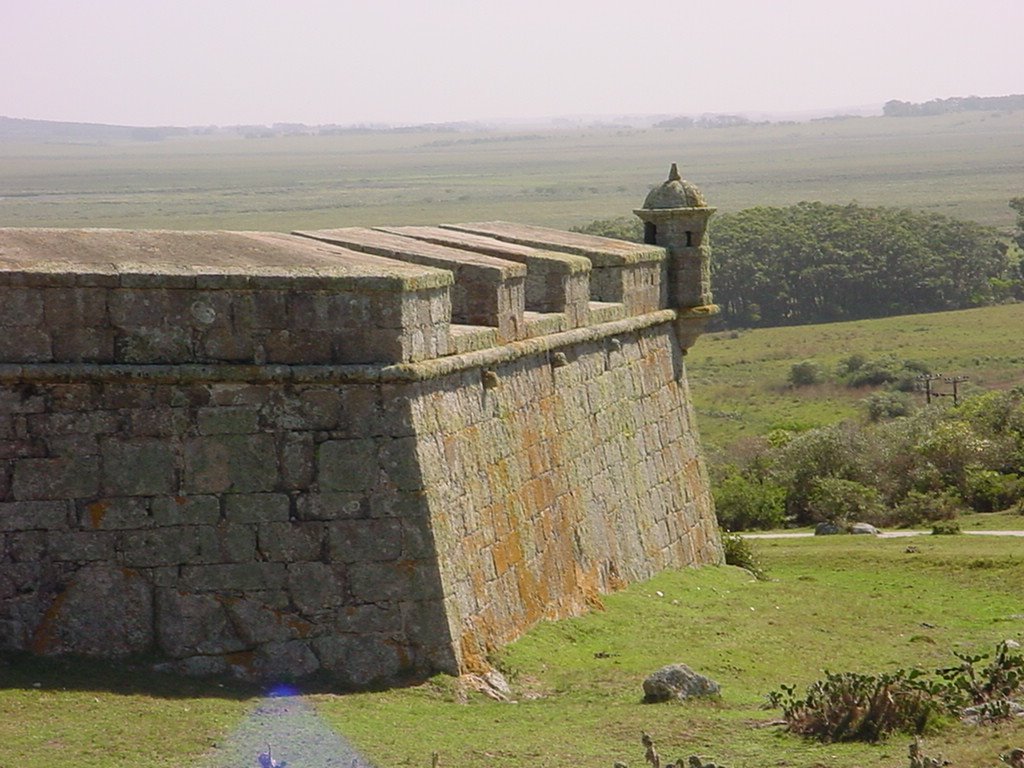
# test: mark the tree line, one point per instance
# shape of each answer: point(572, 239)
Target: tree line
point(817, 263)
point(897, 108)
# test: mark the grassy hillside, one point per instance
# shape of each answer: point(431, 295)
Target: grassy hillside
point(839, 603)
point(739, 379)
point(966, 165)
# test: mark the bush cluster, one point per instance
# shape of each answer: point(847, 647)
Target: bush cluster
point(909, 470)
point(854, 707)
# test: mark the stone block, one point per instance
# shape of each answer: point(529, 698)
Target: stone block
point(79, 307)
point(59, 478)
point(360, 660)
point(227, 420)
point(368, 618)
point(20, 307)
point(83, 345)
point(190, 624)
point(400, 461)
point(331, 506)
point(21, 398)
point(269, 309)
point(137, 307)
point(233, 577)
point(417, 539)
point(298, 463)
point(362, 541)
point(288, 660)
point(226, 344)
point(347, 465)
point(309, 409)
point(123, 513)
point(257, 507)
point(26, 546)
point(390, 503)
point(185, 510)
point(35, 515)
point(235, 463)
point(81, 546)
point(156, 547)
point(141, 467)
point(316, 587)
point(256, 623)
point(395, 581)
point(292, 542)
point(294, 347)
point(226, 543)
point(24, 345)
point(105, 611)
point(153, 345)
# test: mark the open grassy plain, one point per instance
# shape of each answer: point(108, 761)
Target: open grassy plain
point(839, 603)
point(834, 603)
point(739, 379)
point(967, 165)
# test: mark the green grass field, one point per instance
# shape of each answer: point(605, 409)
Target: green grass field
point(967, 165)
point(739, 379)
point(838, 603)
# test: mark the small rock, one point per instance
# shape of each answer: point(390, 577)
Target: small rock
point(1010, 643)
point(678, 681)
point(827, 528)
point(864, 528)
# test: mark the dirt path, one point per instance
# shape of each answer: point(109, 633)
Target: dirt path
point(296, 734)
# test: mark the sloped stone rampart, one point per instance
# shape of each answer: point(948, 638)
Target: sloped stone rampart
point(370, 507)
point(561, 481)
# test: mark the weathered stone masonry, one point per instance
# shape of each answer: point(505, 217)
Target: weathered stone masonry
point(365, 453)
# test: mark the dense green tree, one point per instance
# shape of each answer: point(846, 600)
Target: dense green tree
point(816, 263)
point(821, 263)
point(1017, 204)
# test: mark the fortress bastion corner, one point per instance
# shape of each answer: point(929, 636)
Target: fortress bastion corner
point(364, 453)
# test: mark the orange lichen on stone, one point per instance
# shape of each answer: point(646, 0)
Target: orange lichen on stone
point(44, 640)
point(97, 511)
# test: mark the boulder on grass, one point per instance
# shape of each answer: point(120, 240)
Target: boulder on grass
point(864, 528)
point(677, 681)
point(827, 528)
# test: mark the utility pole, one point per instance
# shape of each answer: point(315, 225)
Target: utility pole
point(955, 380)
point(927, 379)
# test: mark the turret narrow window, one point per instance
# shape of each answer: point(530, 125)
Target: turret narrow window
point(689, 239)
point(650, 233)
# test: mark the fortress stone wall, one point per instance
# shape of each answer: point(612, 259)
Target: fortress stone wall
point(363, 453)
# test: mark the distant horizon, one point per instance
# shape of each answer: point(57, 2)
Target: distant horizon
point(324, 62)
point(873, 109)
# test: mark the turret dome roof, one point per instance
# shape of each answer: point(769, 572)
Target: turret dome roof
point(676, 192)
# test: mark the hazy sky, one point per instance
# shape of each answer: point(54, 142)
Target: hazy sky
point(195, 62)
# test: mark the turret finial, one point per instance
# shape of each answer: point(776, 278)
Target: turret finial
point(673, 175)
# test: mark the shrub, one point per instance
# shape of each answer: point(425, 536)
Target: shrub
point(844, 501)
point(806, 373)
point(918, 507)
point(739, 552)
point(853, 707)
point(990, 491)
point(742, 503)
point(946, 528)
point(828, 452)
point(850, 364)
point(888, 405)
point(1000, 679)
